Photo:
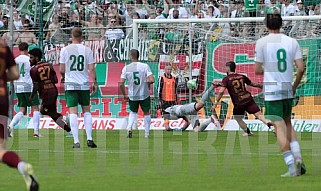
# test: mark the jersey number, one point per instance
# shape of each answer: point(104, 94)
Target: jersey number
point(44, 72)
point(281, 56)
point(22, 70)
point(136, 78)
point(77, 62)
point(238, 85)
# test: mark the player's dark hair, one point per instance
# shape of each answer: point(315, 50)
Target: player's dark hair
point(232, 65)
point(23, 46)
point(134, 54)
point(36, 52)
point(273, 21)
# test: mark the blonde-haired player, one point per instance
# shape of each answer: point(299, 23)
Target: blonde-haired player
point(76, 61)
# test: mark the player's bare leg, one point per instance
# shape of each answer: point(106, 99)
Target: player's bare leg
point(284, 136)
point(242, 124)
point(267, 122)
point(12, 160)
point(186, 124)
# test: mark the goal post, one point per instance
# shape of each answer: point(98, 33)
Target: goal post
point(199, 49)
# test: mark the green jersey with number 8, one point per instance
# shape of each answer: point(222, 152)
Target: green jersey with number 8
point(76, 58)
point(136, 74)
point(277, 52)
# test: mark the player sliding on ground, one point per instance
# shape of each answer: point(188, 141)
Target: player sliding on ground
point(241, 98)
point(181, 111)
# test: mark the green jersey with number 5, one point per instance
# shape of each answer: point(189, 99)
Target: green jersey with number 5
point(136, 74)
point(277, 52)
point(76, 58)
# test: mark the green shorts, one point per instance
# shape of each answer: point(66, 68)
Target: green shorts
point(23, 100)
point(278, 110)
point(144, 104)
point(75, 97)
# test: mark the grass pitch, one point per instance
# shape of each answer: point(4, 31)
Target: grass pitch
point(213, 160)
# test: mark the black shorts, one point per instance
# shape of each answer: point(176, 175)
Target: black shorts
point(251, 107)
point(165, 105)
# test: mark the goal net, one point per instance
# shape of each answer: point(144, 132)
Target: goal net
point(199, 48)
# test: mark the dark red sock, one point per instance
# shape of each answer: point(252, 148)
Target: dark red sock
point(11, 159)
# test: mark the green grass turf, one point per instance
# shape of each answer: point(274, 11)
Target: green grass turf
point(166, 161)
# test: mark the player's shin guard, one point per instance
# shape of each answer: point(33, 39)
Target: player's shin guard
point(88, 121)
point(147, 122)
point(206, 95)
point(131, 120)
point(36, 121)
point(74, 127)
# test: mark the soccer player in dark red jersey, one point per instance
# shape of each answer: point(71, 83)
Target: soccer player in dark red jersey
point(9, 72)
point(44, 79)
point(241, 98)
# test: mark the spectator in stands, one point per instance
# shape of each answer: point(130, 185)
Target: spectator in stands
point(141, 8)
point(17, 21)
point(300, 9)
point(96, 30)
point(212, 12)
point(27, 36)
point(113, 32)
point(6, 37)
point(5, 22)
point(53, 27)
point(183, 14)
point(162, 10)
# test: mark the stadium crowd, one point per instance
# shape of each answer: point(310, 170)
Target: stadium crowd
point(112, 19)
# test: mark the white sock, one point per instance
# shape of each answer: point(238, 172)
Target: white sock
point(288, 158)
point(295, 148)
point(16, 119)
point(88, 121)
point(74, 127)
point(131, 120)
point(21, 164)
point(147, 121)
point(205, 123)
point(36, 121)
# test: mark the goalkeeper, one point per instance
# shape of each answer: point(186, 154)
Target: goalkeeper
point(182, 111)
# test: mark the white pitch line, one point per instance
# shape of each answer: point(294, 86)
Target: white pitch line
point(144, 152)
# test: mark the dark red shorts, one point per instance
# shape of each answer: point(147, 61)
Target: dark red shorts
point(251, 107)
point(4, 107)
point(49, 98)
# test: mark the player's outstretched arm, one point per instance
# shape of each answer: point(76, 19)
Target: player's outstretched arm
point(218, 97)
point(257, 85)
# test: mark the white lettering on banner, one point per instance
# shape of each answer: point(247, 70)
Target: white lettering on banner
point(300, 125)
point(117, 124)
